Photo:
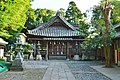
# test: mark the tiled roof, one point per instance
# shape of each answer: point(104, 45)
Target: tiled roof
point(117, 34)
point(56, 31)
point(117, 25)
point(2, 41)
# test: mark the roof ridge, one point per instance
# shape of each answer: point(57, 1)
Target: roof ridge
point(51, 21)
point(117, 25)
point(70, 25)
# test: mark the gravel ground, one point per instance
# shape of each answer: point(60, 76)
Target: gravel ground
point(82, 70)
point(28, 74)
point(33, 70)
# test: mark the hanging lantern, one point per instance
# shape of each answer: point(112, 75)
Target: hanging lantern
point(54, 43)
point(50, 42)
point(63, 43)
point(76, 44)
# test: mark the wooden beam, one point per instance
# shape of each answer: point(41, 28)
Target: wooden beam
point(55, 40)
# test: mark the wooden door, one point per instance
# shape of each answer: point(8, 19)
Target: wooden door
point(57, 48)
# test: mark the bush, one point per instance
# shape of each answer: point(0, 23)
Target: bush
point(1, 59)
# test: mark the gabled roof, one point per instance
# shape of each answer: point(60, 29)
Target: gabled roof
point(3, 42)
point(117, 25)
point(48, 30)
point(57, 16)
point(117, 34)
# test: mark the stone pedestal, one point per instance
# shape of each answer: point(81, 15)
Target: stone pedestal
point(83, 57)
point(17, 63)
point(67, 59)
point(11, 57)
point(39, 57)
point(26, 57)
point(31, 57)
point(76, 57)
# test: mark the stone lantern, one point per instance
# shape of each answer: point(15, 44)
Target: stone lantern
point(2, 44)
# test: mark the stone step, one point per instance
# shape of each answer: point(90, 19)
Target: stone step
point(57, 57)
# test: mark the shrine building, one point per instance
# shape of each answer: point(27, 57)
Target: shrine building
point(56, 38)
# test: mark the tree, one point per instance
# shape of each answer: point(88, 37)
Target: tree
point(106, 11)
point(74, 16)
point(115, 15)
point(12, 17)
point(102, 20)
point(31, 19)
point(35, 17)
point(61, 12)
point(43, 15)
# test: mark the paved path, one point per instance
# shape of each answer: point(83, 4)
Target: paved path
point(63, 70)
point(113, 73)
point(58, 71)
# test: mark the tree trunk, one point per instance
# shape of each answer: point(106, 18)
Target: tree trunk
point(107, 13)
point(107, 53)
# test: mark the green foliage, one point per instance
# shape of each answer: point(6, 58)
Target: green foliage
point(31, 19)
point(1, 59)
point(35, 17)
point(26, 48)
point(43, 15)
point(12, 16)
point(11, 51)
point(99, 24)
point(61, 12)
point(96, 40)
point(93, 41)
point(115, 14)
point(74, 16)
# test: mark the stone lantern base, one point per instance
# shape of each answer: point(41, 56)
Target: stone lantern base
point(76, 57)
point(39, 57)
point(16, 65)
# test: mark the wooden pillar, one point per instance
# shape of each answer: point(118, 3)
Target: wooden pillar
point(76, 46)
point(35, 49)
point(46, 52)
point(67, 50)
point(79, 49)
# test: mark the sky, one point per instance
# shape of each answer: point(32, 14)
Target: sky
point(83, 5)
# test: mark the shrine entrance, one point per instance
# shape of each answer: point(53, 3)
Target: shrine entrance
point(57, 48)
